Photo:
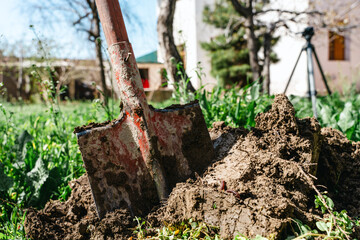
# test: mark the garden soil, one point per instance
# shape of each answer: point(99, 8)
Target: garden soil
point(259, 181)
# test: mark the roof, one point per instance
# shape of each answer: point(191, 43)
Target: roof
point(148, 58)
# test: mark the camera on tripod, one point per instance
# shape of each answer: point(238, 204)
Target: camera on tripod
point(308, 33)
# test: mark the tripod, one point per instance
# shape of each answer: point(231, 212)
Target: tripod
point(308, 33)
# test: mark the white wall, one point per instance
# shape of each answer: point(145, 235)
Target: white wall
point(204, 33)
point(288, 49)
point(188, 20)
point(340, 74)
point(185, 33)
point(189, 29)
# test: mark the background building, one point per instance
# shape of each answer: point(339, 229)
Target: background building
point(338, 51)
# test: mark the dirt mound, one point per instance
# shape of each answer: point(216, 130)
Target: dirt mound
point(258, 182)
point(339, 170)
point(76, 218)
point(258, 186)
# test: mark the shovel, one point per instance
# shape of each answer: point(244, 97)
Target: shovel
point(135, 160)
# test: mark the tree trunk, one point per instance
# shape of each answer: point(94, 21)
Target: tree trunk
point(95, 34)
point(102, 71)
point(168, 48)
point(247, 13)
point(266, 70)
point(251, 43)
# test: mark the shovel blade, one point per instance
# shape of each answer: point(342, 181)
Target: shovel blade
point(117, 170)
point(183, 141)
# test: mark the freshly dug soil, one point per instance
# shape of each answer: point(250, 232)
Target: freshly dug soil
point(77, 218)
point(259, 181)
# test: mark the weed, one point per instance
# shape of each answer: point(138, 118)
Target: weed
point(185, 230)
point(181, 94)
point(39, 153)
point(333, 224)
point(336, 111)
point(235, 106)
point(243, 237)
point(14, 228)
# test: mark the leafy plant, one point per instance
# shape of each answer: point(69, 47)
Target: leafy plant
point(235, 106)
point(228, 51)
point(181, 94)
point(36, 160)
point(333, 225)
point(243, 237)
point(14, 228)
point(336, 111)
point(185, 230)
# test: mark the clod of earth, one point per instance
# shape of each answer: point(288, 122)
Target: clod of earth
point(257, 184)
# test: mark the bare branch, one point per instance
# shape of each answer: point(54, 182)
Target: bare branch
point(244, 11)
point(78, 21)
point(313, 12)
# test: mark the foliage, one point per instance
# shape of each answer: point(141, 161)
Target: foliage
point(14, 227)
point(39, 154)
point(336, 111)
point(235, 106)
point(185, 230)
point(333, 224)
point(228, 51)
point(38, 157)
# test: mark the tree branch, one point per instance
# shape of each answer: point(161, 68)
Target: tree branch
point(78, 21)
point(244, 11)
point(289, 12)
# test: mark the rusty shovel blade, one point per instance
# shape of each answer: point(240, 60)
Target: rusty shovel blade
point(115, 166)
point(136, 160)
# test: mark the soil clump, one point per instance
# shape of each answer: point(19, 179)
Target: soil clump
point(258, 182)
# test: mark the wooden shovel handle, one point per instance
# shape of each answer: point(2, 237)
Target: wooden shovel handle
point(112, 21)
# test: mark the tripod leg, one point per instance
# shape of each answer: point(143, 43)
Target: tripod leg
point(292, 73)
point(321, 71)
point(311, 79)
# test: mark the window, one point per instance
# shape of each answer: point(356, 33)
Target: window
point(336, 46)
point(144, 73)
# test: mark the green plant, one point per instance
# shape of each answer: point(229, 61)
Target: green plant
point(181, 94)
point(336, 111)
point(8, 115)
point(110, 107)
point(235, 106)
point(36, 160)
point(243, 237)
point(14, 228)
point(39, 153)
point(140, 229)
point(185, 230)
point(333, 224)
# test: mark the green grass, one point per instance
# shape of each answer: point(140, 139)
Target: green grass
point(39, 154)
point(235, 106)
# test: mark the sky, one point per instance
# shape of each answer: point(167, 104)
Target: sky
point(16, 16)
